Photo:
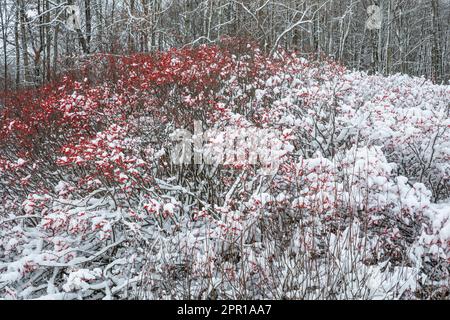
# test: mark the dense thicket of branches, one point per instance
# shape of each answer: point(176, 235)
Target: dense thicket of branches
point(38, 43)
point(219, 172)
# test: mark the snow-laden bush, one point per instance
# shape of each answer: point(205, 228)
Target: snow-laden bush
point(222, 173)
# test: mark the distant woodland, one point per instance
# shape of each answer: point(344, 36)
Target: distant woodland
point(41, 39)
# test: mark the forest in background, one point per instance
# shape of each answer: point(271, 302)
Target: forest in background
point(41, 39)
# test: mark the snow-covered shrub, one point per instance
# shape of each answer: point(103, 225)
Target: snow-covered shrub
point(220, 172)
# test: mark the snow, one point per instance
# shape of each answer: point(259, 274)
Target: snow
point(314, 182)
